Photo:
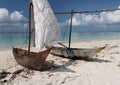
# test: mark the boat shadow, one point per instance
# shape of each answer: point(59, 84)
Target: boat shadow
point(98, 60)
point(51, 66)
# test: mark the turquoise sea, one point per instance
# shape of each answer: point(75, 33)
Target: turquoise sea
point(7, 40)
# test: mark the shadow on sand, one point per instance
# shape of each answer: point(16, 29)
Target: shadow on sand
point(51, 66)
point(98, 60)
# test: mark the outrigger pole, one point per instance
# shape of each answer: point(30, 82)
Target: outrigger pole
point(80, 12)
point(91, 11)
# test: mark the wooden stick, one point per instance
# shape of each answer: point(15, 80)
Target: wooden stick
point(90, 11)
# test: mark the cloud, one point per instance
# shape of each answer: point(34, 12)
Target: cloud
point(103, 18)
point(12, 20)
point(17, 17)
point(4, 15)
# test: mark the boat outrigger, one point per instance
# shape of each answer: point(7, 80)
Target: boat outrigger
point(77, 53)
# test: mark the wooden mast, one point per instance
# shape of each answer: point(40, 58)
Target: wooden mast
point(33, 26)
point(70, 28)
point(29, 29)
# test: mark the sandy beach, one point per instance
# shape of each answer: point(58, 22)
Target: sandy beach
point(103, 69)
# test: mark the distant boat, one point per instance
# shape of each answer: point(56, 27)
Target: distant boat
point(46, 32)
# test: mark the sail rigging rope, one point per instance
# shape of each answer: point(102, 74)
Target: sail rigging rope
point(64, 34)
point(25, 42)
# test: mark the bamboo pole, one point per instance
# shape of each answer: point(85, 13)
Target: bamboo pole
point(70, 29)
point(90, 11)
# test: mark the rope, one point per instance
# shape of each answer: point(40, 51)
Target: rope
point(25, 42)
point(64, 34)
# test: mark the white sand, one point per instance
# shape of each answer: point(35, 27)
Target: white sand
point(103, 70)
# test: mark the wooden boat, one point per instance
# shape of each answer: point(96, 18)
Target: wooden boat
point(30, 60)
point(74, 53)
point(46, 31)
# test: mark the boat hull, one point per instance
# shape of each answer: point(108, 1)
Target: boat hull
point(30, 60)
point(75, 53)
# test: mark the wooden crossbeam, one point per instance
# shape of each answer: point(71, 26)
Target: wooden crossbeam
point(90, 11)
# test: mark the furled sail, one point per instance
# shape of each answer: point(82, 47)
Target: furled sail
point(46, 26)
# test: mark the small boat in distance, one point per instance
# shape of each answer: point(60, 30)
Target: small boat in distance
point(46, 32)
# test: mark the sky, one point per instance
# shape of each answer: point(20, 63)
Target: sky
point(14, 15)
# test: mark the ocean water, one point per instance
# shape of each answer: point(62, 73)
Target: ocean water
point(84, 36)
point(94, 36)
point(8, 40)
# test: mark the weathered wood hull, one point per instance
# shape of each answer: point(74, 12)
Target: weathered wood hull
point(30, 60)
point(75, 53)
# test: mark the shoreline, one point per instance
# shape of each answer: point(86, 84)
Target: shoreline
point(88, 40)
point(73, 42)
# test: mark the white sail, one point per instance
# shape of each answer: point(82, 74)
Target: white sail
point(46, 26)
